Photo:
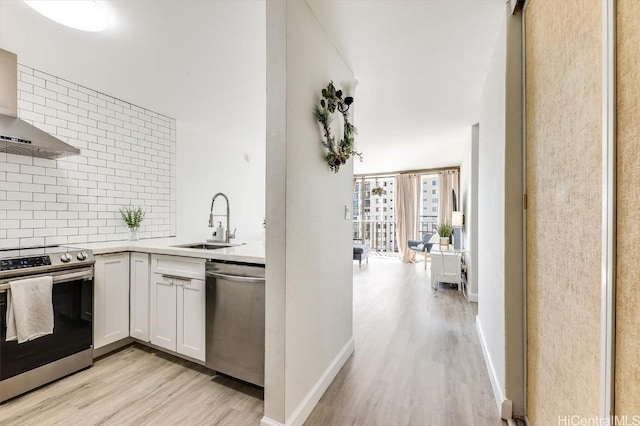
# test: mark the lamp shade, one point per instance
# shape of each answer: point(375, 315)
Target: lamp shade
point(349, 87)
point(456, 219)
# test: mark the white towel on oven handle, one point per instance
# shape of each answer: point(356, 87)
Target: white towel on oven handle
point(29, 309)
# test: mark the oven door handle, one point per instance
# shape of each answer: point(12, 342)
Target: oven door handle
point(80, 274)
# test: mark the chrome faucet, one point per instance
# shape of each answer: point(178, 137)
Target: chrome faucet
point(228, 235)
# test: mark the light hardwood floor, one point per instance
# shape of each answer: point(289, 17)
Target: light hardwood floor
point(417, 359)
point(417, 362)
point(138, 386)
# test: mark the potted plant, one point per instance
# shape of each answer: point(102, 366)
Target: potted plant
point(445, 230)
point(133, 217)
point(377, 191)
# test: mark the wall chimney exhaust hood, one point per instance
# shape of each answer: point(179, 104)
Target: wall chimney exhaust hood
point(18, 136)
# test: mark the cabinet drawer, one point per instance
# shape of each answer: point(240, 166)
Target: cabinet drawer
point(178, 266)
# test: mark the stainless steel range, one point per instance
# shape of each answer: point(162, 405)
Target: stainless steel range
point(28, 365)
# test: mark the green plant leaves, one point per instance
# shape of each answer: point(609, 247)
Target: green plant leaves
point(132, 216)
point(338, 153)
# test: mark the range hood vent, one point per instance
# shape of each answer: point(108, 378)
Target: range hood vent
point(16, 135)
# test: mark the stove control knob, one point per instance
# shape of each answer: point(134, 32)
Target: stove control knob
point(82, 256)
point(65, 257)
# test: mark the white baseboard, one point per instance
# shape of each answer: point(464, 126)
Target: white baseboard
point(505, 406)
point(307, 405)
point(473, 297)
point(266, 421)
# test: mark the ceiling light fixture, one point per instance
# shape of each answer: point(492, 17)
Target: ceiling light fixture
point(84, 15)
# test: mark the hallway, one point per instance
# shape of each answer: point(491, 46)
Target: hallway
point(417, 359)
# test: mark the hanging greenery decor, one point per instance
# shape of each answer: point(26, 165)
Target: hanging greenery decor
point(338, 153)
point(377, 191)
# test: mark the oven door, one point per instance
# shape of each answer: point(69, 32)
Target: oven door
point(72, 330)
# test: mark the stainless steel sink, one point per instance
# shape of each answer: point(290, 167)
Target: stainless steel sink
point(205, 246)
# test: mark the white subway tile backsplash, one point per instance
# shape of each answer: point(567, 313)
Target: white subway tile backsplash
point(19, 214)
point(30, 242)
point(60, 106)
point(33, 205)
point(127, 157)
point(11, 223)
point(76, 239)
point(27, 170)
point(56, 88)
point(67, 231)
point(53, 241)
point(57, 206)
point(19, 233)
point(30, 97)
point(30, 79)
point(31, 223)
point(44, 215)
point(19, 196)
point(68, 215)
point(9, 167)
point(32, 116)
point(46, 93)
point(45, 232)
point(43, 75)
point(42, 111)
point(19, 159)
point(31, 187)
point(17, 177)
point(56, 189)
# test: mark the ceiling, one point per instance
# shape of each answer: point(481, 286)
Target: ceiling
point(420, 64)
point(156, 54)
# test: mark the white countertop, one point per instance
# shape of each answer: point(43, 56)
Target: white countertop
point(250, 252)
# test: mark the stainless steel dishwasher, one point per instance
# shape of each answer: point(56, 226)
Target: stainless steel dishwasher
point(235, 320)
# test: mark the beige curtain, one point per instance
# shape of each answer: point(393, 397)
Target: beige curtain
point(448, 183)
point(407, 212)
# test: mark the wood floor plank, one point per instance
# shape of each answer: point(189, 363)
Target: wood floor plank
point(417, 359)
point(138, 386)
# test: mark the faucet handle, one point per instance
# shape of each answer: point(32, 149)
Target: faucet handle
point(234, 233)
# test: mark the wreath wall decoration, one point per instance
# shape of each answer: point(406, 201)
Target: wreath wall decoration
point(338, 153)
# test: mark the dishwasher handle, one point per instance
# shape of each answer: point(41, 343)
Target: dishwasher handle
point(236, 278)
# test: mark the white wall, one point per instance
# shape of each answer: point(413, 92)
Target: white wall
point(500, 308)
point(469, 195)
point(127, 156)
point(491, 234)
point(208, 162)
point(223, 148)
point(309, 266)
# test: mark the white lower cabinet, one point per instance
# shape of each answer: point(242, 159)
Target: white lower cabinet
point(139, 277)
point(190, 317)
point(111, 299)
point(178, 305)
point(163, 312)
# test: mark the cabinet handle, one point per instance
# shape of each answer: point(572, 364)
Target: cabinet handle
point(174, 277)
point(236, 278)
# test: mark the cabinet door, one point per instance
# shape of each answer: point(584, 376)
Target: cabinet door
point(111, 299)
point(445, 268)
point(191, 318)
point(163, 312)
point(139, 307)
